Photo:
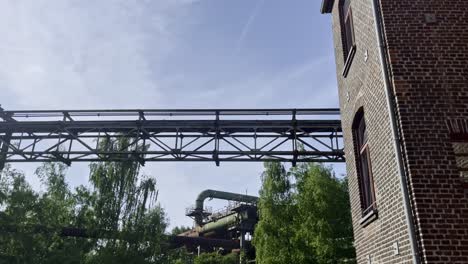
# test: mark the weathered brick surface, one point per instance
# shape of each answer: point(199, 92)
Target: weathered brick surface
point(364, 88)
point(429, 72)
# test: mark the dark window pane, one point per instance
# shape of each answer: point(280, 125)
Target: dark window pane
point(362, 133)
point(366, 183)
point(349, 32)
point(347, 27)
point(346, 5)
point(368, 197)
point(460, 149)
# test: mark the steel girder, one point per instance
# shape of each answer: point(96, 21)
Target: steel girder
point(293, 135)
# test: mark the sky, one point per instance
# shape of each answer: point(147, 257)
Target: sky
point(76, 54)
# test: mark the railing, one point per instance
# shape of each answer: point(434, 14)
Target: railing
point(293, 135)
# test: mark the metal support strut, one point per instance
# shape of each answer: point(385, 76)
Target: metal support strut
point(216, 135)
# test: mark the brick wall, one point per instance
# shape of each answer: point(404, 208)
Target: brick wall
point(428, 52)
point(427, 42)
point(363, 87)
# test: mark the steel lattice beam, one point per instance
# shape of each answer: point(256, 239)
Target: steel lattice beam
point(293, 135)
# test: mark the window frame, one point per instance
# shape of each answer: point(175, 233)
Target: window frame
point(347, 34)
point(460, 138)
point(367, 191)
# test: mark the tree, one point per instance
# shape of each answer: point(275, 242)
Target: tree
point(304, 216)
point(324, 224)
point(179, 230)
point(120, 209)
point(55, 209)
point(19, 202)
point(215, 258)
point(179, 256)
point(277, 209)
point(125, 203)
point(30, 220)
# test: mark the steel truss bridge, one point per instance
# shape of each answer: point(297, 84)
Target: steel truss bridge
point(216, 135)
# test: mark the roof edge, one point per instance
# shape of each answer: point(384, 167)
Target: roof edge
point(327, 6)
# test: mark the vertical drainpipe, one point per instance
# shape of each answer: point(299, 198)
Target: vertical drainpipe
point(395, 133)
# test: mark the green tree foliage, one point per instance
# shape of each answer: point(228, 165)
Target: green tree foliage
point(304, 216)
point(274, 233)
point(179, 230)
point(126, 204)
point(180, 255)
point(119, 207)
point(30, 220)
point(215, 258)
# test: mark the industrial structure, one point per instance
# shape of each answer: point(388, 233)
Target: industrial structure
point(214, 135)
point(403, 88)
point(235, 222)
point(227, 230)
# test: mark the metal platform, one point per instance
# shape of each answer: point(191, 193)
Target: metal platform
point(216, 135)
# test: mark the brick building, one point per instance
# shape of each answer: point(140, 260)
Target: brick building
point(402, 69)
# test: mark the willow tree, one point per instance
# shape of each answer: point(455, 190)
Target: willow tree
point(119, 208)
point(125, 203)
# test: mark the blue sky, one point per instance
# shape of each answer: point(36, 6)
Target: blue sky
point(167, 54)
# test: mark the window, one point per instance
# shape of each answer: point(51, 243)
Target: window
point(347, 33)
point(458, 129)
point(364, 169)
point(460, 148)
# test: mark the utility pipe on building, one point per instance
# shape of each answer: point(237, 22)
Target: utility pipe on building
point(395, 133)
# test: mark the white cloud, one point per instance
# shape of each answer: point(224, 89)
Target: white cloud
point(76, 54)
point(295, 86)
point(151, 54)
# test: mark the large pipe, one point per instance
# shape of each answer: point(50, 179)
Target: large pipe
point(199, 203)
point(395, 133)
point(222, 223)
point(173, 241)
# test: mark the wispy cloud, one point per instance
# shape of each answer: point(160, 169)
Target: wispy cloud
point(73, 53)
point(83, 54)
point(163, 54)
point(246, 28)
